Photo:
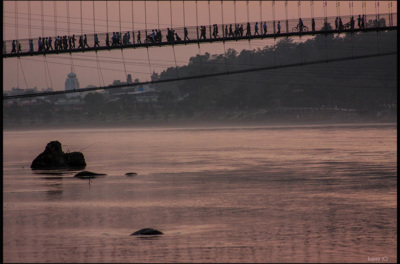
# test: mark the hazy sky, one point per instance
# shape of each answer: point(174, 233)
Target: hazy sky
point(31, 19)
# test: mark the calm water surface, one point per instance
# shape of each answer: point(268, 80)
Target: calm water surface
point(239, 194)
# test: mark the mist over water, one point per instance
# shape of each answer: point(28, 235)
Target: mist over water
point(312, 193)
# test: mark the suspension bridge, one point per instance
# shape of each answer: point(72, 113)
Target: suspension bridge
point(155, 35)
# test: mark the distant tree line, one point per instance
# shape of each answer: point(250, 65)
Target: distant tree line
point(358, 84)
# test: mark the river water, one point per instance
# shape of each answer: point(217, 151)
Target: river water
point(322, 193)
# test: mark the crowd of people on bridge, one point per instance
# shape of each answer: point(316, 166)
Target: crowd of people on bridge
point(119, 39)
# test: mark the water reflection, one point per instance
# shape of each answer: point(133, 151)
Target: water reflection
point(54, 186)
point(218, 196)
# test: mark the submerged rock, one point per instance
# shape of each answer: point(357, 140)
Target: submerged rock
point(146, 232)
point(54, 158)
point(88, 175)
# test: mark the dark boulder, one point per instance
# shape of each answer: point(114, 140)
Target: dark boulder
point(88, 175)
point(54, 158)
point(147, 232)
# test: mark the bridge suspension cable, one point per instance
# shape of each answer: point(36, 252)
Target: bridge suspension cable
point(210, 75)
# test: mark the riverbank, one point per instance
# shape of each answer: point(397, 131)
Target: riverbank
point(210, 118)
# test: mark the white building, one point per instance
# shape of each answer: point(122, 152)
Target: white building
point(71, 83)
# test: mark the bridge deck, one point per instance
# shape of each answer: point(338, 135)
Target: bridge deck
point(288, 29)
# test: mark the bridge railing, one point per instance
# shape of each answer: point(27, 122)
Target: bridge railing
point(194, 32)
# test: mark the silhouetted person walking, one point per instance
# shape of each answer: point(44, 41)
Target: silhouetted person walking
point(256, 29)
point(30, 45)
point(312, 24)
point(96, 41)
point(185, 34)
point(85, 42)
point(13, 45)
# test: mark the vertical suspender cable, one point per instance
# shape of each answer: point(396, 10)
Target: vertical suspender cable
point(209, 17)
point(16, 21)
point(364, 8)
point(81, 17)
point(132, 16)
point(234, 6)
point(133, 28)
point(46, 66)
point(97, 58)
point(147, 48)
point(198, 43)
point(377, 20)
point(173, 46)
point(248, 21)
point(170, 11)
point(312, 14)
point(351, 7)
point(299, 8)
point(145, 20)
point(325, 5)
point(119, 15)
point(55, 18)
point(247, 9)
point(184, 22)
point(94, 19)
point(42, 16)
point(300, 44)
point(68, 19)
point(260, 3)
point(286, 15)
point(44, 61)
point(158, 16)
point(72, 61)
point(223, 34)
point(312, 8)
point(222, 16)
point(120, 36)
point(107, 14)
point(337, 8)
point(197, 25)
point(16, 36)
point(234, 11)
point(273, 15)
point(273, 18)
point(4, 30)
point(184, 19)
point(29, 20)
point(19, 58)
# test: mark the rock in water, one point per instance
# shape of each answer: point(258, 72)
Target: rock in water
point(54, 158)
point(88, 175)
point(146, 232)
